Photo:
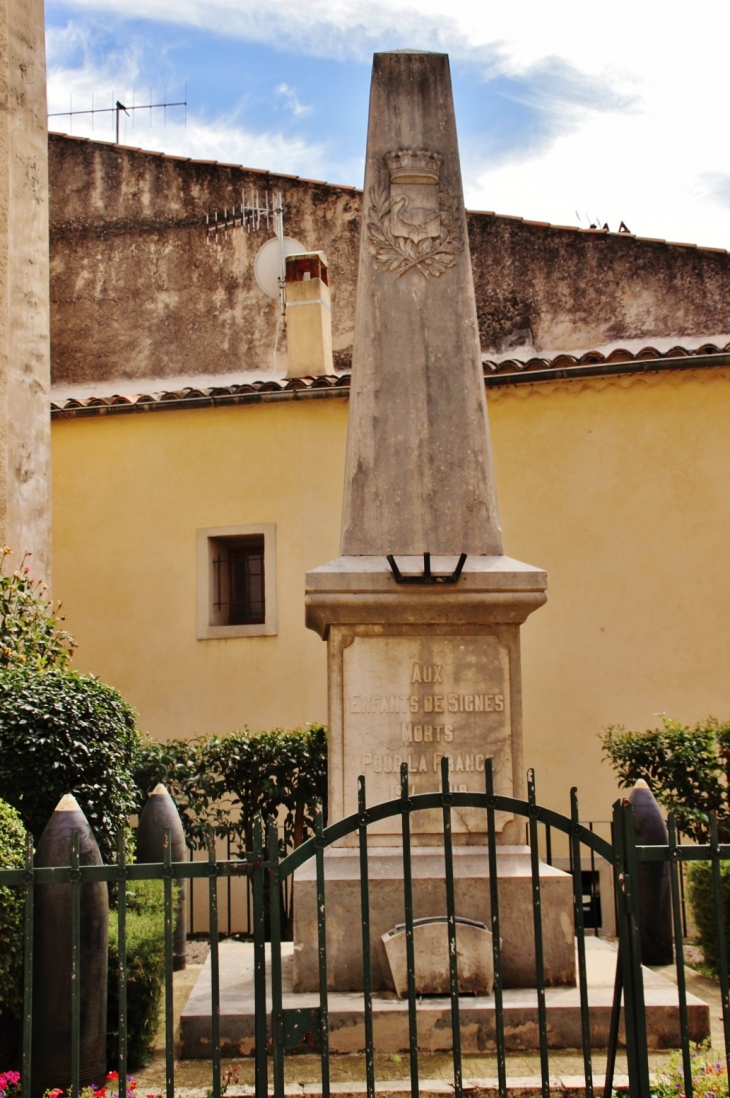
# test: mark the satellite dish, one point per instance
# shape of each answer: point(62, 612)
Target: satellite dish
point(267, 264)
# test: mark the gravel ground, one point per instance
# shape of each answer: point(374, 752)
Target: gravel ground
point(196, 952)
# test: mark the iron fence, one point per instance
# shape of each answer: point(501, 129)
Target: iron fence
point(276, 1028)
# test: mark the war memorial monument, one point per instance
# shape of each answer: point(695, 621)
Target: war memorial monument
point(422, 610)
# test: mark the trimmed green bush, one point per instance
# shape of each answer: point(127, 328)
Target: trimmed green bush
point(145, 974)
point(686, 768)
point(222, 784)
point(12, 850)
point(63, 732)
point(701, 894)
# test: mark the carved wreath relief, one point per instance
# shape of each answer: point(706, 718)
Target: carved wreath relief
point(414, 222)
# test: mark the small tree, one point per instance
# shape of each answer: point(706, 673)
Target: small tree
point(62, 732)
point(686, 768)
point(31, 633)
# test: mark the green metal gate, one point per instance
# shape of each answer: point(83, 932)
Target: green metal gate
point(285, 1026)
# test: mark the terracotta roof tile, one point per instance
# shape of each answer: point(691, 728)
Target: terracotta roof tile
point(507, 372)
point(620, 355)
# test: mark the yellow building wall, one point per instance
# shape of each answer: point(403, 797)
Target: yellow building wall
point(617, 487)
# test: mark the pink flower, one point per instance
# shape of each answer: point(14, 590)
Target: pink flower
point(12, 1077)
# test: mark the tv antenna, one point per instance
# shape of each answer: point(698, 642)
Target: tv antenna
point(253, 214)
point(119, 108)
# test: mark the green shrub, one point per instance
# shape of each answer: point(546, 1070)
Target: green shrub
point(63, 732)
point(30, 629)
point(145, 973)
point(12, 851)
point(701, 894)
point(685, 767)
point(222, 784)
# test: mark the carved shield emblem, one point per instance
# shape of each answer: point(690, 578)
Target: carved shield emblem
point(413, 222)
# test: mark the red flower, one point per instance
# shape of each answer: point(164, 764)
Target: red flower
point(112, 1075)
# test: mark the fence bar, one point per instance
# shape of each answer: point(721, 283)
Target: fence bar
point(410, 950)
point(27, 967)
point(259, 965)
point(614, 1027)
point(169, 1000)
point(75, 878)
point(215, 991)
point(447, 800)
point(122, 951)
point(228, 855)
point(679, 955)
point(367, 974)
point(191, 931)
point(324, 1023)
point(637, 1053)
point(720, 928)
point(548, 844)
point(585, 1020)
point(277, 1013)
point(537, 922)
point(496, 940)
point(594, 906)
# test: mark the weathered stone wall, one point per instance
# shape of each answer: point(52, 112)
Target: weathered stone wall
point(137, 293)
point(24, 316)
point(136, 289)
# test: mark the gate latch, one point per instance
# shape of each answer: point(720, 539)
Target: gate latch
point(302, 1028)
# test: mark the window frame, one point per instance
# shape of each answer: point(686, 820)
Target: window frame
point(209, 541)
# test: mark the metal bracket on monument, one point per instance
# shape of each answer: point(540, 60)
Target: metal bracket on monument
point(428, 576)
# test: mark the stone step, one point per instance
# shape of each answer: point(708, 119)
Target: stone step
point(390, 1015)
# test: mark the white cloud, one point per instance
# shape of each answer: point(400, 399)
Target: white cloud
point(291, 100)
point(76, 78)
point(640, 135)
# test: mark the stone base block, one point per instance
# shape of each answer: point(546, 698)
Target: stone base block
point(390, 1015)
point(471, 887)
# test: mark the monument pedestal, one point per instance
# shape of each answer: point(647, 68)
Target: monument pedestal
point(417, 672)
point(471, 887)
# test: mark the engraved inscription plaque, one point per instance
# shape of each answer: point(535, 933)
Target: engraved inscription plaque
point(415, 699)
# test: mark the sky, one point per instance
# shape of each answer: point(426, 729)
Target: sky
point(567, 112)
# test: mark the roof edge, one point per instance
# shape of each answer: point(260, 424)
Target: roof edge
point(331, 386)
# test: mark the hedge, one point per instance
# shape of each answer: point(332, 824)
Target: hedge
point(223, 783)
point(12, 851)
point(701, 894)
point(145, 974)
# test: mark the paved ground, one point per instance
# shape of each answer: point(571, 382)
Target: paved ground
point(193, 1077)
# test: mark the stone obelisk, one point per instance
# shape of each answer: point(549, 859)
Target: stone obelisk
point(417, 670)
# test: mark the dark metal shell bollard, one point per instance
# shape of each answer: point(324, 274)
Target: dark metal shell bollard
point(655, 911)
point(159, 813)
point(52, 959)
